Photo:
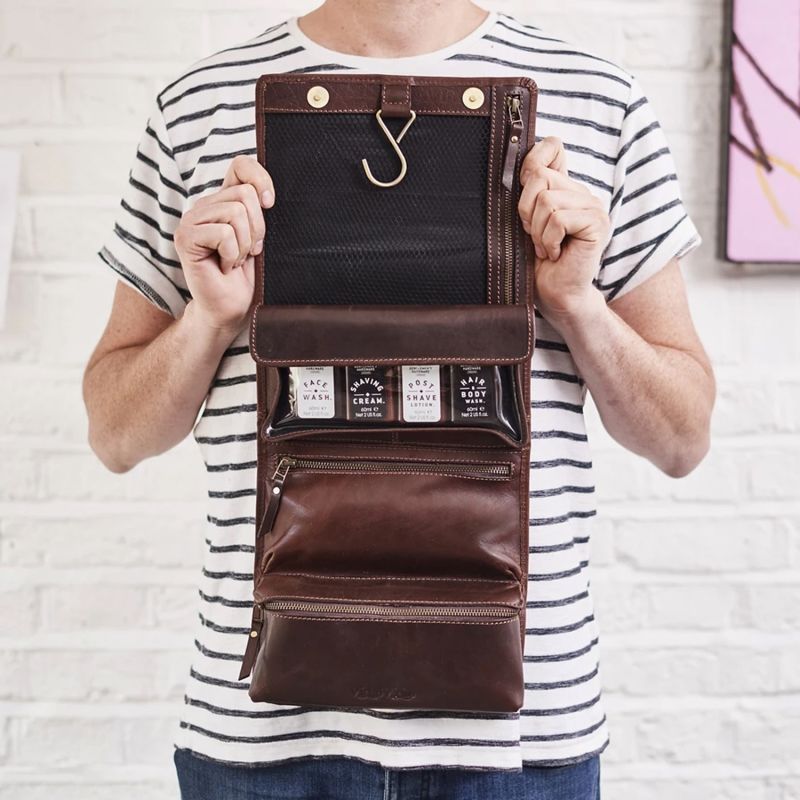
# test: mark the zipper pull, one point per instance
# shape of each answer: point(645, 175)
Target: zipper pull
point(250, 652)
point(275, 494)
point(513, 103)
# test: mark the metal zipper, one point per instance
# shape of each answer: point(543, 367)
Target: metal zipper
point(454, 468)
point(374, 610)
point(513, 139)
point(465, 468)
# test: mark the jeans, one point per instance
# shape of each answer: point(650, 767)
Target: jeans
point(348, 779)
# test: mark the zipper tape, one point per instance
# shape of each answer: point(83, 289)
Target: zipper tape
point(390, 611)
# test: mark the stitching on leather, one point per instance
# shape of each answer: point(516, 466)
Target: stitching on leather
point(361, 601)
point(513, 447)
point(489, 200)
point(524, 524)
point(517, 222)
point(435, 461)
point(253, 350)
point(512, 618)
point(368, 110)
point(503, 581)
point(394, 360)
point(477, 448)
point(407, 85)
point(419, 80)
point(499, 201)
point(291, 436)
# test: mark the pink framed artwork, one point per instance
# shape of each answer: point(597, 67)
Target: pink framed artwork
point(763, 214)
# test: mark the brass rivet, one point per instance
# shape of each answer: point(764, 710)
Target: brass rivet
point(515, 138)
point(472, 97)
point(253, 634)
point(318, 96)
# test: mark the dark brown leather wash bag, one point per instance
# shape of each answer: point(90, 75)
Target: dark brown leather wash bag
point(394, 288)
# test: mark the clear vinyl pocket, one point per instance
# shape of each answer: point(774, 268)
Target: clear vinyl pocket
point(365, 398)
point(367, 369)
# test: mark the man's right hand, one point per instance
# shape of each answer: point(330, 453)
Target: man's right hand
point(217, 241)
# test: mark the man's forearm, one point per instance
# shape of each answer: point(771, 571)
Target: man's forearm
point(144, 399)
point(654, 400)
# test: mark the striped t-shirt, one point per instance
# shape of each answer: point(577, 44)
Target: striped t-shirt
point(615, 146)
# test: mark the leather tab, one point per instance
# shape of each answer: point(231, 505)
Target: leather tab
point(512, 150)
point(396, 99)
point(514, 135)
point(251, 651)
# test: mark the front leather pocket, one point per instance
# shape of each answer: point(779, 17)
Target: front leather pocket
point(460, 513)
point(386, 642)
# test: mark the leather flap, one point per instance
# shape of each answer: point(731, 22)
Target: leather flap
point(296, 335)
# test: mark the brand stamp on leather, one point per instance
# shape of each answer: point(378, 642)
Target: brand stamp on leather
point(373, 695)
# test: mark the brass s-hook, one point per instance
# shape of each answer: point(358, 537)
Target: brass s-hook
point(394, 143)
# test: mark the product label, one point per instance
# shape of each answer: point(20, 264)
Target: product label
point(315, 393)
point(367, 393)
point(422, 394)
point(472, 392)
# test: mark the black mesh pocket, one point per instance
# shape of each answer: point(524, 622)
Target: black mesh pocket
point(334, 237)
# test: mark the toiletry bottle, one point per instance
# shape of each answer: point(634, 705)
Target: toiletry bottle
point(423, 390)
point(371, 393)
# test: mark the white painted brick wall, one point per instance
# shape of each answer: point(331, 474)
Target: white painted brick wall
point(697, 581)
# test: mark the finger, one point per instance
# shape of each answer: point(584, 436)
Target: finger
point(547, 202)
point(246, 169)
point(584, 224)
point(549, 153)
point(234, 214)
point(255, 216)
point(540, 180)
point(250, 271)
point(246, 194)
point(219, 237)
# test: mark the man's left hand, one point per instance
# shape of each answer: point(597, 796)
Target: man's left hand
point(569, 227)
